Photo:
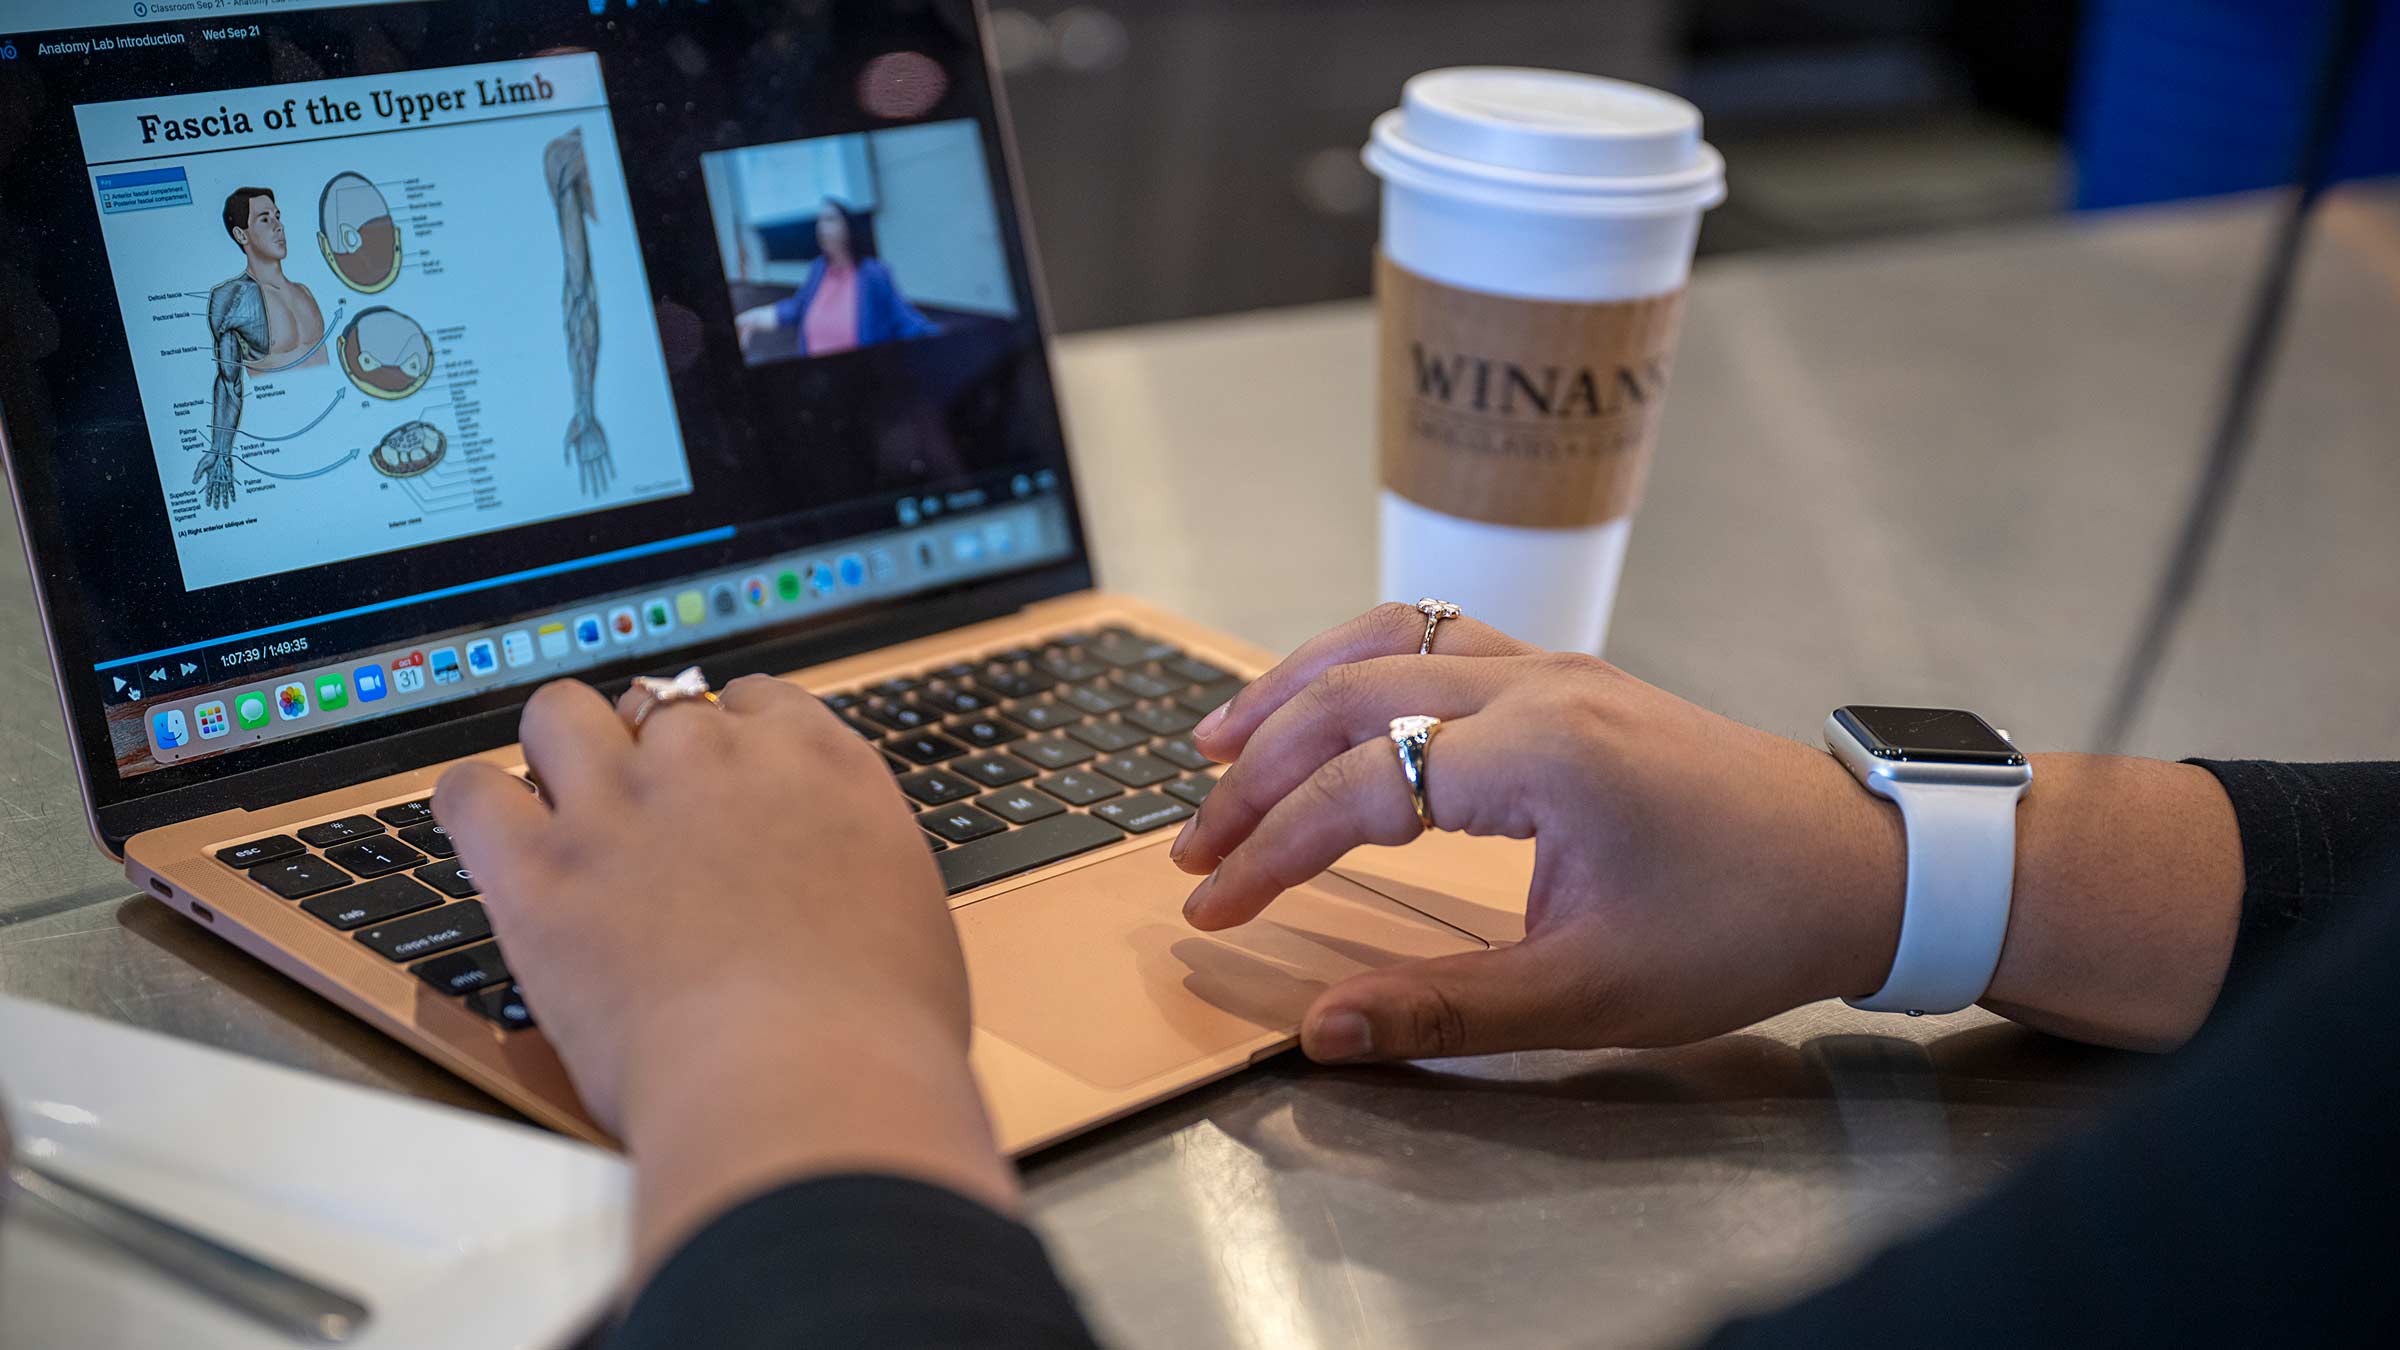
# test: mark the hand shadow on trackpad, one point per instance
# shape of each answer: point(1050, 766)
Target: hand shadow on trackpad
point(1097, 973)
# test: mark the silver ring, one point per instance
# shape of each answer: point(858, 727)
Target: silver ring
point(1414, 737)
point(689, 687)
point(1434, 611)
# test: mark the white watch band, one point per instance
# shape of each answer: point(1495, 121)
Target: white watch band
point(1962, 864)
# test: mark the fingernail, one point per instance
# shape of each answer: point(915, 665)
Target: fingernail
point(1199, 900)
point(1342, 1036)
point(1183, 840)
point(1209, 724)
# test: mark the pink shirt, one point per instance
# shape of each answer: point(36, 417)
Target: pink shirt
point(831, 324)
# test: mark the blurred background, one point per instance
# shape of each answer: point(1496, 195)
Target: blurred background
point(1192, 157)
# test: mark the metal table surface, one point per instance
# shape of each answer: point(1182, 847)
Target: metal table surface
point(1941, 471)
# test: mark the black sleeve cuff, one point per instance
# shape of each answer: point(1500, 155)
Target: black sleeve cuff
point(856, 1260)
point(2319, 841)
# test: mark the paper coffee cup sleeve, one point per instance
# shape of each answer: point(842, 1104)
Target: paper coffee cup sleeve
point(1520, 412)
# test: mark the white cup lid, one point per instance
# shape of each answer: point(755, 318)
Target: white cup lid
point(1548, 139)
point(1550, 121)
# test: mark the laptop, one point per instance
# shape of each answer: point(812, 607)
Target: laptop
point(381, 362)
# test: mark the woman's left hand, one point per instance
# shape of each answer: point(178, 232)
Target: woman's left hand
point(733, 933)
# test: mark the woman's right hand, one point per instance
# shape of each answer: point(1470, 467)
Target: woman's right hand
point(1692, 875)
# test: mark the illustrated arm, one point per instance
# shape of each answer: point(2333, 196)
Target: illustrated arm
point(225, 400)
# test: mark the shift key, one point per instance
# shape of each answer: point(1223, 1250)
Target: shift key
point(424, 934)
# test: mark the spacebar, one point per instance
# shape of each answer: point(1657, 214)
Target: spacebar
point(1004, 855)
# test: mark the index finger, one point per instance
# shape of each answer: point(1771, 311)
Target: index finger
point(1391, 629)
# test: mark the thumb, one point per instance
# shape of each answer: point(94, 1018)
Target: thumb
point(1478, 1003)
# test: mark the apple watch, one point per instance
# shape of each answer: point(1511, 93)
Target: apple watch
point(1957, 783)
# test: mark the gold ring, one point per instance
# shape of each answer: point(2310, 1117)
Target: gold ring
point(689, 687)
point(1434, 611)
point(1414, 738)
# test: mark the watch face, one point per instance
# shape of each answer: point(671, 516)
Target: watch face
point(1927, 735)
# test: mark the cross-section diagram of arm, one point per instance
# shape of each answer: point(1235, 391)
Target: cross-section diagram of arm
point(571, 192)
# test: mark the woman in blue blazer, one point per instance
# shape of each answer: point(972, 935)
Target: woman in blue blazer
point(850, 299)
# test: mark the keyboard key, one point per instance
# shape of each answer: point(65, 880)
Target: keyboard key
point(450, 878)
point(1077, 788)
point(1181, 753)
point(1136, 769)
point(856, 721)
point(897, 716)
point(1055, 753)
point(1014, 656)
point(895, 687)
point(372, 902)
point(1193, 670)
point(464, 972)
point(1143, 684)
point(374, 857)
point(1194, 789)
point(1013, 851)
point(1143, 812)
point(406, 813)
point(246, 856)
point(841, 702)
point(961, 824)
point(985, 732)
point(952, 698)
point(1095, 698)
point(955, 672)
point(504, 1005)
point(1163, 719)
point(340, 831)
point(925, 747)
point(1208, 697)
point(1069, 664)
point(1122, 647)
point(453, 925)
point(1023, 806)
point(1109, 737)
point(995, 770)
point(296, 877)
point(937, 787)
point(1012, 682)
point(430, 837)
point(1041, 714)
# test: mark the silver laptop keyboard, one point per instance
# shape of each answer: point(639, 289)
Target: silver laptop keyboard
point(1019, 759)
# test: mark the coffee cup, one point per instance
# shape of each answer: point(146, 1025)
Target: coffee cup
point(1538, 229)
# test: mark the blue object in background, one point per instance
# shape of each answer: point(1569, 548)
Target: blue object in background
point(2191, 98)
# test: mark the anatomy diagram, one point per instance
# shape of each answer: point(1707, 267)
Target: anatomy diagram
point(386, 353)
point(571, 192)
point(260, 322)
point(356, 232)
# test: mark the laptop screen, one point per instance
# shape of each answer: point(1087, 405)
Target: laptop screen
point(368, 364)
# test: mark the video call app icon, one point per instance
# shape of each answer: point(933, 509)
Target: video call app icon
point(168, 726)
point(251, 710)
point(332, 694)
point(483, 657)
point(371, 682)
point(212, 719)
point(291, 702)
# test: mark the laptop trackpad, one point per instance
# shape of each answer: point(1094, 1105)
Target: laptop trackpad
point(1096, 972)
